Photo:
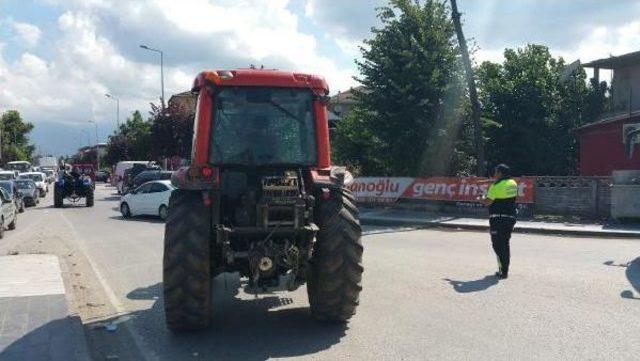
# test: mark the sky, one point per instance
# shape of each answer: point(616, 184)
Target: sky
point(58, 58)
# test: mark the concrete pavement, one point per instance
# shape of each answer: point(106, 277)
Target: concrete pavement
point(401, 217)
point(35, 323)
point(428, 294)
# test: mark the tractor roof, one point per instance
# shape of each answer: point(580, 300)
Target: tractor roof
point(261, 78)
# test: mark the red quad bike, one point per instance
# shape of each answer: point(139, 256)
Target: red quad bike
point(261, 199)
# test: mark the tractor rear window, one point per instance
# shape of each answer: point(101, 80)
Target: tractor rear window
point(264, 126)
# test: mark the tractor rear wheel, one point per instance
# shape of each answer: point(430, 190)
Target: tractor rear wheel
point(187, 262)
point(334, 281)
point(58, 197)
point(89, 199)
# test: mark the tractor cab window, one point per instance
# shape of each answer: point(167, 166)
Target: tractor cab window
point(263, 126)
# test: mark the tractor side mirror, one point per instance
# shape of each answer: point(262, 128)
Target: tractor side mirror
point(324, 99)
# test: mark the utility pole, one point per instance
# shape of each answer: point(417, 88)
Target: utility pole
point(97, 146)
point(473, 94)
point(161, 70)
point(117, 108)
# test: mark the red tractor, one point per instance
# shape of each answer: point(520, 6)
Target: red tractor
point(261, 198)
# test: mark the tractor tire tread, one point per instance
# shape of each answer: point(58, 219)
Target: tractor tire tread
point(186, 263)
point(335, 275)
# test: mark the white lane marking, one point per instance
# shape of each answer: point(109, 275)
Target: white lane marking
point(111, 295)
point(30, 275)
point(103, 282)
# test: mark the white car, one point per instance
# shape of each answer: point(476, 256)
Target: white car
point(151, 198)
point(7, 175)
point(40, 179)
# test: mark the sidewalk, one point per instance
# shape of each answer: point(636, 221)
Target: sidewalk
point(397, 217)
point(34, 319)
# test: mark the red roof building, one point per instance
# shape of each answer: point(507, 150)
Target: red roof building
point(613, 142)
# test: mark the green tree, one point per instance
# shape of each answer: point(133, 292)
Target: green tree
point(536, 108)
point(408, 119)
point(173, 129)
point(15, 137)
point(132, 141)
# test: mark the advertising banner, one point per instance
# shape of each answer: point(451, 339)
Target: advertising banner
point(379, 189)
point(461, 189)
point(391, 189)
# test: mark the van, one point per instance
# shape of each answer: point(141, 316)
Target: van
point(118, 174)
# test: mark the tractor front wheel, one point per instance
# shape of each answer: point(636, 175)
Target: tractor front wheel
point(334, 281)
point(187, 262)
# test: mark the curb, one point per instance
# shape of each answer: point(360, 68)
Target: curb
point(375, 221)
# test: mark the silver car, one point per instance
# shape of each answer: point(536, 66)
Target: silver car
point(8, 214)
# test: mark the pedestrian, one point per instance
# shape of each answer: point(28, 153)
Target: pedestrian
point(501, 199)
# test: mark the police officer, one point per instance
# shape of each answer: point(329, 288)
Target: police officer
point(501, 199)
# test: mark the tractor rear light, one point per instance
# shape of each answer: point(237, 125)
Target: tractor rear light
point(210, 174)
point(207, 172)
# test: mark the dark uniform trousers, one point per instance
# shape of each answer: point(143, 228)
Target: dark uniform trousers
point(501, 228)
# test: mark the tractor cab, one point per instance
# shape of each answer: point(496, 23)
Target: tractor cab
point(260, 197)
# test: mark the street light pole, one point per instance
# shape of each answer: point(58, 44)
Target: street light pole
point(97, 146)
point(117, 108)
point(161, 70)
point(88, 136)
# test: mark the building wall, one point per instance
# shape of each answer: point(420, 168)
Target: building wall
point(573, 196)
point(602, 150)
point(626, 88)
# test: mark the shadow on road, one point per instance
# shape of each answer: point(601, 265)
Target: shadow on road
point(244, 327)
point(51, 341)
point(148, 219)
point(474, 285)
point(111, 198)
point(39, 208)
point(633, 275)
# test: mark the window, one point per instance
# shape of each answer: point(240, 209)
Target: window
point(263, 126)
point(24, 184)
point(7, 187)
point(33, 177)
point(145, 188)
point(158, 187)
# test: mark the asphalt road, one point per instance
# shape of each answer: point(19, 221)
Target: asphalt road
point(428, 294)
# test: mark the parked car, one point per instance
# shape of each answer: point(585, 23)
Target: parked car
point(50, 174)
point(150, 175)
point(29, 191)
point(39, 179)
point(7, 175)
point(8, 213)
point(151, 198)
point(12, 190)
point(102, 176)
point(118, 173)
point(130, 174)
